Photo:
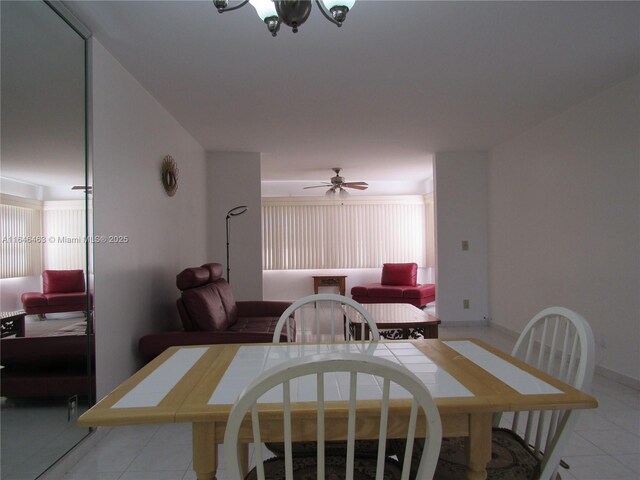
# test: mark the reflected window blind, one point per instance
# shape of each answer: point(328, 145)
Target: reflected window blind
point(307, 236)
point(65, 222)
point(21, 241)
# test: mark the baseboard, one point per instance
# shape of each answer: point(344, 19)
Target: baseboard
point(59, 469)
point(465, 323)
point(505, 330)
point(618, 377)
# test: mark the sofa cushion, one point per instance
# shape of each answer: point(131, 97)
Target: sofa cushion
point(62, 281)
point(257, 325)
point(192, 278)
point(214, 269)
point(65, 298)
point(385, 291)
point(228, 302)
point(204, 306)
point(400, 274)
point(421, 291)
point(360, 290)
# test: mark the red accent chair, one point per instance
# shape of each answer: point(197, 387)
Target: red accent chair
point(210, 315)
point(62, 291)
point(398, 285)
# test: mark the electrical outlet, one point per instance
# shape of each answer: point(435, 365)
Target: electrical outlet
point(465, 303)
point(465, 245)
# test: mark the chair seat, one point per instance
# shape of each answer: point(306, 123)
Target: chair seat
point(305, 468)
point(511, 459)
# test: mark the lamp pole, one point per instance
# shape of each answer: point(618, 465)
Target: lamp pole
point(234, 212)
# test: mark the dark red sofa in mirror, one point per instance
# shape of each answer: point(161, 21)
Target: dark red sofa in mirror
point(62, 291)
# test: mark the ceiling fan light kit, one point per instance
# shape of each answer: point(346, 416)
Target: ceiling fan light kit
point(292, 13)
point(339, 186)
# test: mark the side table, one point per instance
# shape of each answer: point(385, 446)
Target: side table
point(330, 281)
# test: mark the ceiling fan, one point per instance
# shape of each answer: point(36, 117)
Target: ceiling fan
point(338, 185)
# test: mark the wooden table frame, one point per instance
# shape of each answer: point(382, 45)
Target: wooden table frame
point(397, 316)
point(470, 417)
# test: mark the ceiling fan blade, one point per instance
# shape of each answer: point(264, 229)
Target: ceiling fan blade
point(318, 186)
point(356, 185)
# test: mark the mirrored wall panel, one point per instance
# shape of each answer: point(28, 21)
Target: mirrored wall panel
point(46, 349)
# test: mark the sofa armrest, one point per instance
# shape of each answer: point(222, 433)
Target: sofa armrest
point(261, 308)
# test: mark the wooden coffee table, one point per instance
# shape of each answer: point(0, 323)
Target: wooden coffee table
point(397, 321)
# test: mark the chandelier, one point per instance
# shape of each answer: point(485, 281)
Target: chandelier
point(291, 12)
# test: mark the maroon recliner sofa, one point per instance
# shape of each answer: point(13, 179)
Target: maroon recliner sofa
point(210, 315)
point(398, 285)
point(62, 291)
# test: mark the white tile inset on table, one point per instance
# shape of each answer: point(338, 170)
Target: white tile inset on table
point(521, 381)
point(150, 391)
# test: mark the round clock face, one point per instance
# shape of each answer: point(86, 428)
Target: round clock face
point(169, 175)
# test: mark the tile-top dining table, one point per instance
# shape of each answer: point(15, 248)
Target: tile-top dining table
point(468, 379)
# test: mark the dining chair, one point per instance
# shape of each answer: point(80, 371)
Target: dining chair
point(354, 372)
point(327, 321)
point(559, 342)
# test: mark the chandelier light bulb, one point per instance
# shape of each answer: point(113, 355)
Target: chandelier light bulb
point(264, 8)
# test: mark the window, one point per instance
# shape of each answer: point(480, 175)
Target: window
point(360, 233)
point(21, 239)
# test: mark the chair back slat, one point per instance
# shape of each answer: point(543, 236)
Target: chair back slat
point(563, 374)
point(320, 436)
point(552, 348)
point(382, 435)
point(255, 423)
point(542, 343)
point(288, 448)
point(390, 373)
point(351, 424)
point(411, 434)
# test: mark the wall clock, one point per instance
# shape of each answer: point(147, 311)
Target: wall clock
point(169, 175)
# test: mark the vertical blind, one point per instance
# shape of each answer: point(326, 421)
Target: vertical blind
point(21, 241)
point(64, 222)
point(347, 235)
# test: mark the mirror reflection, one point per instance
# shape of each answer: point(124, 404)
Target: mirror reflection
point(45, 276)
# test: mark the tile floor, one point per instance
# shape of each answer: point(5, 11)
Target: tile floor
point(604, 446)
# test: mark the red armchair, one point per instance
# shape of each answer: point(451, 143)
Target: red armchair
point(398, 285)
point(62, 291)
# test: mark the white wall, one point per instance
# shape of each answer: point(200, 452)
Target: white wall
point(12, 288)
point(233, 179)
point(461, 214)
point(564, 223)
point(135, 288)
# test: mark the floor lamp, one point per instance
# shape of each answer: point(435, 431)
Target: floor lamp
point(234, 212)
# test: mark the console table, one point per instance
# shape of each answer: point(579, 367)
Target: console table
point(330, 281)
